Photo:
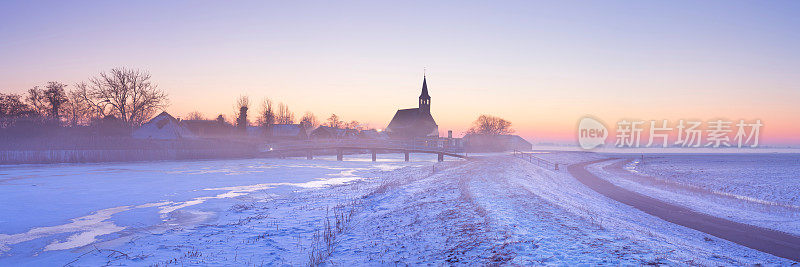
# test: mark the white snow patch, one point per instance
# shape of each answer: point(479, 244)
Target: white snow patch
point(88, 227)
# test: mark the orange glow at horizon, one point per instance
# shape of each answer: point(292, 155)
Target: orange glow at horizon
point(546, 114)
point(541, 66)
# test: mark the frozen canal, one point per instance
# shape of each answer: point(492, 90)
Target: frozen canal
point(45, 209)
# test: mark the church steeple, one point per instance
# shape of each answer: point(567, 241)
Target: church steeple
point(424, 98)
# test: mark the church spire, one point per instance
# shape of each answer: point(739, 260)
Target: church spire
point(424, 89)
point(424, 98)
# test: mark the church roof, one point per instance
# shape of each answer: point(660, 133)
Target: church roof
point(404, 117)
point(424, 93)
point(412, 122)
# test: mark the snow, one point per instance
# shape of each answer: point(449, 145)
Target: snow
point(703, 183)
point(770, 178)
point(491, 209)
point(67, 206)
point(163, 127)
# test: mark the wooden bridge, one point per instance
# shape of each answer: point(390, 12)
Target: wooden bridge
point(440, 147)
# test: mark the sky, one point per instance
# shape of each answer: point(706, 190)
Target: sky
point(540, 65)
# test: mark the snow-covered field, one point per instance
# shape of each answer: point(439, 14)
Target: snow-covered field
point(492, 209)
point(757, 189)
point(773, 178)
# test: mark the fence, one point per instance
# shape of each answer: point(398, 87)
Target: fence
point(528, 156)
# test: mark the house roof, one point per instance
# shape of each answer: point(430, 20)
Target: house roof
point(334, 132)
point(201, 123)
point(161, 116)
point(372, 133)
point(288, 130)
point(162, 126)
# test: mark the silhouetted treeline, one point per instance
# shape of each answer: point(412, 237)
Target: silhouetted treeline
point(111, 103)
point(270, 114)
point(115, 102)
point(125, 94)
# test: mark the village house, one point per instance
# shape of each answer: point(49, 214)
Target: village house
point(208, 128)
point(327, 132)
point(162, 127)
point(496, 143)
point(288, 131)
point(372, 134)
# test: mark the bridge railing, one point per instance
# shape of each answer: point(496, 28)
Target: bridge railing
point(414, 144)
point(529, 156)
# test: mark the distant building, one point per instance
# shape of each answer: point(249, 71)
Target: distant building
point(327, 132)
point(208, 128)
point(495, 143)
point(256, 131)
point(414, 122)
point(288, 131)
point(278, 131)
point(162, 127)
point(372, 134)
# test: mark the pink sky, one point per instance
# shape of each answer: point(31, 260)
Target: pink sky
point(541, 66)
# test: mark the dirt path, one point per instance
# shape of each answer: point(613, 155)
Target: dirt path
point(770, 241)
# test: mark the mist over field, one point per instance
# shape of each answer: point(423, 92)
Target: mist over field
point(266, 133)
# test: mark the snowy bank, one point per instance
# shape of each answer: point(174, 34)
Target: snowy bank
point(487, 210)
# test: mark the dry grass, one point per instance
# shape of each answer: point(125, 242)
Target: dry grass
point(323, 241)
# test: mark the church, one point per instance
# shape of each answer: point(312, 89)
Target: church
point(414, 122)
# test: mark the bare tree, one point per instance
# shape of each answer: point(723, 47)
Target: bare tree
point(195, 115)
point(11, 105)
point(284, 116)
point(12, 109)
point(55, 96)
point(96, 109)
point(335, 122)
point(77, 109)
point(48, 101)
point(487, 124)
point(124, 93)
point(266, 117)
point(36, 100)
point(242, 105)
point(355, 125)
point(309, 121)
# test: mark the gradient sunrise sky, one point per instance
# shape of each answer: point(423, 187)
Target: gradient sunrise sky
point(541, 65)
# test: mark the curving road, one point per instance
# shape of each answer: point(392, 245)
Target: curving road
point(766, 240)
